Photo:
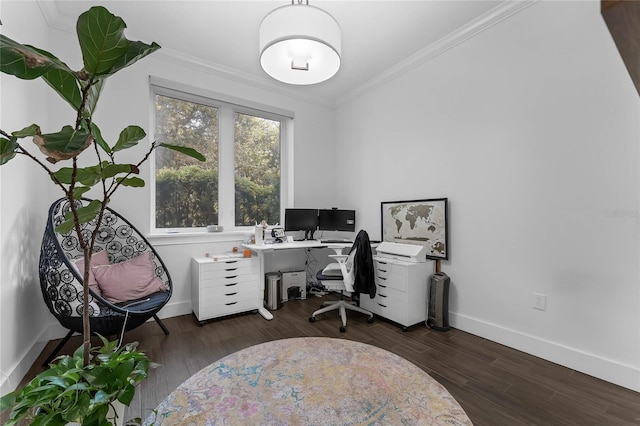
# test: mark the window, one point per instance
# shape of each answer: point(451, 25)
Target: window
point(241, 181)
point(186, 189)
point(257, 170)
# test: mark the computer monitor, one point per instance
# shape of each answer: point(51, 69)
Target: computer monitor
point(301, 220)
point(337, 220)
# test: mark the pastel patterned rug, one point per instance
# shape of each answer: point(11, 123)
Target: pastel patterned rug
point(310, 381)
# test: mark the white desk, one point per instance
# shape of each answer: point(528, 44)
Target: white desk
point(262, 249)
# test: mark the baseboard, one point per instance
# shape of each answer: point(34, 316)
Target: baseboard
point(11, 379)
point(175, 309)
point(609, 370)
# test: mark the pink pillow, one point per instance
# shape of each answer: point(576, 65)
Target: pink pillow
point(129, 280)
point(100, 258)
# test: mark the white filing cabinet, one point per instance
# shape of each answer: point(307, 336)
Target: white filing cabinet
point(224, 286)
point(401, 291)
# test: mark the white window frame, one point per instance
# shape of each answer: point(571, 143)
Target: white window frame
point(227, 106)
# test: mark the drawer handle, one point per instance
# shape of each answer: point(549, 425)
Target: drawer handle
point(381, 262)
point(384, 306)
point(231, 261)
point(230, 285)
point(231, 294)
point(383, 286)
point(382, 270)
point(231, 276)
point(229, 304)
point(382, 278)
point(381, 295)
point(231, 269)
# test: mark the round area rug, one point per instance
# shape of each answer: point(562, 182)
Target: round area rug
point(310, 381)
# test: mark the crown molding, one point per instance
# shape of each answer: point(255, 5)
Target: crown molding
point(53, 18)
point(499, 13)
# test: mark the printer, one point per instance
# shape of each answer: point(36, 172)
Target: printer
point(399, 251)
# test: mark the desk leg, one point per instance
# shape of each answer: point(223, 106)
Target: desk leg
point(265, 313)
point(261, 309)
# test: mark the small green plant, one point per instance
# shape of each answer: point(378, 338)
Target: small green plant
point(69, 392)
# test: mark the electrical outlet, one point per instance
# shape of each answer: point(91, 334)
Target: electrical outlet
point(540, 301)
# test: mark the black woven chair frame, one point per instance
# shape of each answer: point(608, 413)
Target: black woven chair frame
point(61, 282)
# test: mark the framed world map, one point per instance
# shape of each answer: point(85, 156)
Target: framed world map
point(422, 222)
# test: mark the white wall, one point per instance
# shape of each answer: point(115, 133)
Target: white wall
point(531, 129)
point(23, 207)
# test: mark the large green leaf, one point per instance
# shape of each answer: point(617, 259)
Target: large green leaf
point(85, 214)
point(113, 169)
point(66, 85)
point(97, 135)
point(7, 401)
point(65, 227)
point(67, 140)
point(7, 149)
point(129, 137)
point(64, 81)
point(102, 40)
point(185, 150)
point(87, 176)
point(26, 62)
point(134, 182)
point(137, 50)
point(32, 130)
point(92, 97)
point(79, 191)
point(126, 396)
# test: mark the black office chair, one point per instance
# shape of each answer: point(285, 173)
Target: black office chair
point(353, 273)
point(61, 282)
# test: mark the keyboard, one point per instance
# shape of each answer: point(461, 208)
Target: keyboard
point(336, 242)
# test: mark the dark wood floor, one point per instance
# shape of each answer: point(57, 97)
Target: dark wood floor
point(494, 384)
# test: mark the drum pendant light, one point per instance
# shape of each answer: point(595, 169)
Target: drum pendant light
point(300, 44)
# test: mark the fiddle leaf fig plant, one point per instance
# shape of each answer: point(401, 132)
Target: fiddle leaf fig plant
point(105, 51)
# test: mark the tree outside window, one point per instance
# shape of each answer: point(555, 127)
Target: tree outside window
point(188, 194)
point(257, 170)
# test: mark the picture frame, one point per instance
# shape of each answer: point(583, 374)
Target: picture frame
point(421, 222)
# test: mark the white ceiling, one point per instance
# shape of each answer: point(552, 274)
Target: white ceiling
point(377, 36)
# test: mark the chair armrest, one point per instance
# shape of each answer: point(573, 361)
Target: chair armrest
point(341, 258)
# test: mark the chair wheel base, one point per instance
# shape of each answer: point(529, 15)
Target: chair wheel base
point(343, 329)
point(312, 319)
point(370, 320)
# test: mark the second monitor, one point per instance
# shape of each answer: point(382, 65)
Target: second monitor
point(301, 220)
point(337, 220)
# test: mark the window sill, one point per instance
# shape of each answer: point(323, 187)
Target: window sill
point(167, 238)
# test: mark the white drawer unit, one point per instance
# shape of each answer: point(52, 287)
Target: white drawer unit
point(401, 291)
point(224, 286)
